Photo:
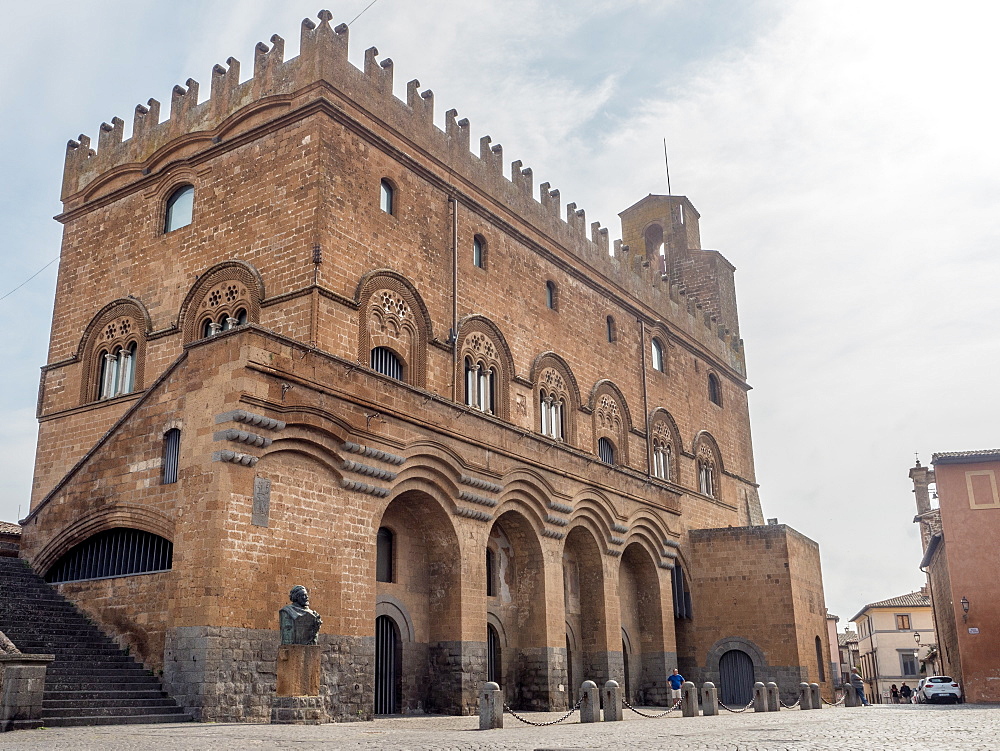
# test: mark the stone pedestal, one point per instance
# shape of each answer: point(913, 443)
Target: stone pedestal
point(709, 699)
point(816, 696)
point(298, 670)
point(22, 681)
point(298, 701)
point(590, 702)
point(490, 707)
point(805, 696)
point(689, 699)
point(613, 702)
point(773, 697)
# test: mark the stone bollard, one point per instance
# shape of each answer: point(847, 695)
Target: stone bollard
point(851, 696)
point(490, 707)
point(817, 697)
point(590, 702)
point(805, 696)
point(689, 699)
point(759, 697)
point(773, 697)
point(709, 699)
point(613, 702)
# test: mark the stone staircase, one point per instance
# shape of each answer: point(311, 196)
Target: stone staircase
point(91, 681)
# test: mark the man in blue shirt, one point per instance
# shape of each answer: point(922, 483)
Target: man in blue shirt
point(676, 680)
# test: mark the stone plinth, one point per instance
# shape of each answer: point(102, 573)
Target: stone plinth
point(22, 681)
point(298, 710)
point(298, 670)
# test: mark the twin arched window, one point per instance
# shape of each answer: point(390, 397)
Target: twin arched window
point(552, 408)
point(706, 478)
point(223, 322)
point(662, 460)
point(180, 208)
point(480, 385)
point(117, 371)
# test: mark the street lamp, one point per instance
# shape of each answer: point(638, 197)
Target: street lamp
point(965, 609)
point(916, 638)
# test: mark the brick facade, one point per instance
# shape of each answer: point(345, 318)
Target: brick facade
point(294, 451)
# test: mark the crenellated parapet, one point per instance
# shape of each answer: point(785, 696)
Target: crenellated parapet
point(322, 71)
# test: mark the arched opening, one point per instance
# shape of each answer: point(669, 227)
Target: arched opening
point(384, 555)
point(820, 660)
point(426, 584)
point(606, 450)
point(654, 240)
point(387, 362)
point(714, 389)
point(518, 606)
point(642, 626)
point(388, 666)
point(387, 197)
point(571, 687)
point(551, 299)
point(479, 252)
point(626, 659)
point(583, 594)
point(114, 552)
point(736, 678)
point(657, 357)
point(171, 455)
point(611, 329)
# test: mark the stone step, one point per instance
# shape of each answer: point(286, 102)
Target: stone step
point(142, 719)
point(104, 705)
point(109, 694)
point(85, 683)
point(96, 670)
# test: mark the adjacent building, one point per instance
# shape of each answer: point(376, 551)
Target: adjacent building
point(959, 556)
point(302, 335)
point(847, 647)
point(892, 634)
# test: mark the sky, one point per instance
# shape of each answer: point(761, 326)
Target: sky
point(842, 155)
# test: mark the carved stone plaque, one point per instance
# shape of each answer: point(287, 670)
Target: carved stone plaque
point(261, 501)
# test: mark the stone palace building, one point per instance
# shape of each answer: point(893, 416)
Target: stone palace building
point(303, 335)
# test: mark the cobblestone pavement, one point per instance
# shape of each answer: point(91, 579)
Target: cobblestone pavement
point(912, 728)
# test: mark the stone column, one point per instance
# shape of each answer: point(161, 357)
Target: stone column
point(773, 697)
point(22, 681)
point(490, 707)
point(709, 699)
point(689, 699)
point(805, 696)
point(590, 702)
point(612, 702)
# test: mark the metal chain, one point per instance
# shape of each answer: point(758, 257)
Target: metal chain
point(506, 708)
point(676, 705)
point(835, 703)
point(790, 706)
point(736, 711)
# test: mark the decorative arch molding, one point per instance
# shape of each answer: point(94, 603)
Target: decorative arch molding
point(728, 643)
point(528, 506)
point(587, 519)
point(133, 517)
point(482, 341)
point(551, 376)
point(223, 289)
point(301, 448)
point(393, 608)
point(493, 620)
point(120, 323)
point(611, 416)
point(571, 636)
point(392, 314)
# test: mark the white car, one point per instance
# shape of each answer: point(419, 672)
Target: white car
point(938, 688)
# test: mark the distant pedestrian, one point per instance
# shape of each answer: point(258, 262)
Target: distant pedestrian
point(906, 692)
point(676, 680)
point(894, 694)
point(859, 686)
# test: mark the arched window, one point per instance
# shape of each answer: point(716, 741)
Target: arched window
point(605, 451)
point(480, 385)
point(494, 662)
point(491, 573)
point(662, 460)
point(479, 252)
point(551, 298)
point(384, 554)
point(180, 208)
point(657, 355)
point(714, 389)
point(114, 552)
point(387, 197)
point(552, 409)
point(171, 455)
point(117, 371)
point(682, 596)
point(223, 322)
point(611, 329)
point(386, 362)
point(706, 477)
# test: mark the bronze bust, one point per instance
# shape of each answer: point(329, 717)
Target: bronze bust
point(299, 624)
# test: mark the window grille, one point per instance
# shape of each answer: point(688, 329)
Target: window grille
point(180, 208)
point(385, 361)
point(386, 196)
point(171, 455)
point(605, 451)
point(115, 552)
point(383, 555)
point(657, 355)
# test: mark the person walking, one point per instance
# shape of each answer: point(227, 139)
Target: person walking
point(906, 693)
point(894, 694)
point(676, 680)
point(859, 685)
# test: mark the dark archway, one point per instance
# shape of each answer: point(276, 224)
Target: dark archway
point(642, 619)
point(388, 666)
point(583, 591)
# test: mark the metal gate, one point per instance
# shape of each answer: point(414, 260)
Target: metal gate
point(625, 659)
point(735, 678)
point(494, 671)
point(387, 666)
